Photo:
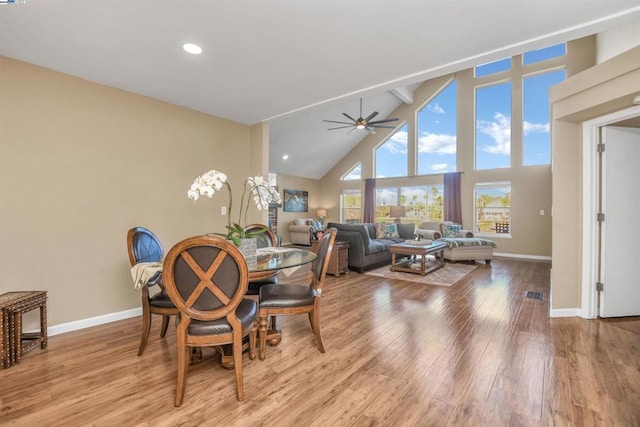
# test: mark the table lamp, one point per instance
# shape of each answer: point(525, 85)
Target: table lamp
point(397, 212)
point(321, 213)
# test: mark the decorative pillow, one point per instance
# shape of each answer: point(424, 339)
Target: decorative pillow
point(451, 230)
point(386, 231)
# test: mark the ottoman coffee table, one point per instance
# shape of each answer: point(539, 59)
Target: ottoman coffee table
point(411, 250)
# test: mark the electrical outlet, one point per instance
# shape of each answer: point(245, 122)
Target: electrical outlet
point(223, 211)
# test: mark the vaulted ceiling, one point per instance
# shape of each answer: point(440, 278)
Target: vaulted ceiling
point(290, 63)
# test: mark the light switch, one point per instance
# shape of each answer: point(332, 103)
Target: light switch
point(541, 212)
point(223, 211)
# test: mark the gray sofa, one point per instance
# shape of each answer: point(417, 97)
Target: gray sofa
point(365, 251)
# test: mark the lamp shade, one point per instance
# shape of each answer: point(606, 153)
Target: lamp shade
point(397, 211)
point(321, 213)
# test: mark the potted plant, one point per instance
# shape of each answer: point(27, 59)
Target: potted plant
point(255, 187)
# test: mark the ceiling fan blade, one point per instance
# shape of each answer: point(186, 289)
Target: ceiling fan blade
point(371, 116)
point(342, 123)
point(370, 130)
point(349, 117)
point(352, 130)
point(342, 127)
point(381, 126)
point(383, 121)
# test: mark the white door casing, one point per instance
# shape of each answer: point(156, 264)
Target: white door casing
point(620, 265)
point(590, 205)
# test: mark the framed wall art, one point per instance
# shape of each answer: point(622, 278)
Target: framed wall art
point(296, 201)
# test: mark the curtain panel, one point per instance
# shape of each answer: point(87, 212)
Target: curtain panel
point(369, 214)
point(452, 198)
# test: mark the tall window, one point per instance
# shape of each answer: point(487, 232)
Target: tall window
point(391, 155)
point(492, 208)
point(353, 173)
point(437, 133)
point(422, 203)
point(493, 126)
point(536, 136)
point(351, 206)
point(385, 198)
point(544, 53)
point(493, 67)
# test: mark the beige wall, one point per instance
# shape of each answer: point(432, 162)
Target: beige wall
point(531, 186)
point(603, 89)
point(296, 183)
point(80, 164)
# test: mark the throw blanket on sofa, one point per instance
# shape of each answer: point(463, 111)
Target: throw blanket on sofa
point(458, 242)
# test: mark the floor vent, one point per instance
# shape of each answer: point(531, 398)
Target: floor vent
point(533, 295)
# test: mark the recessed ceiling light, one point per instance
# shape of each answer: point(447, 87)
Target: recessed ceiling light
point(285, 157)
point(192, 48)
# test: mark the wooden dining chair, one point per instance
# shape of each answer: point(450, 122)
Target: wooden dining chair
point(144, 246)
point(285, 299)
point(206, 278)
point(265, 239)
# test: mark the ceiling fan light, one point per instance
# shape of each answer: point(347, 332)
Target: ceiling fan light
point(360, 126)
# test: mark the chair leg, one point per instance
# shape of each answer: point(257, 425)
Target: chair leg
point(183, 369)
point(165, 325)
point(273, 323)
point(314, 317)
point(263, 337)
point(146, 326)
point(237, 362)
point(252, 341)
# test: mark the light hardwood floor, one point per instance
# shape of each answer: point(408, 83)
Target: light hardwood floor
point(398, 354)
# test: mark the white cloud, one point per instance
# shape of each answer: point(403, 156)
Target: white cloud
point(437, 143)
point(535, 127)
point(500, 131)
point(435, 108)
point(354, 174)
point(419, 192)
point(439, 167)
point(397, 143)
point(386, 196)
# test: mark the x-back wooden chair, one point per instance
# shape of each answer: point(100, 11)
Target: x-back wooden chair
point(206, 278)
point(144, 246)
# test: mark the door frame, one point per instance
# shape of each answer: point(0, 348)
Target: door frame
point(590, 204)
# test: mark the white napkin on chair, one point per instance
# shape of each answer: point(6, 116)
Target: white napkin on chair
point(143, 272)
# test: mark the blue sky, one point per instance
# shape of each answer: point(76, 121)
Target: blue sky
point(436, 124)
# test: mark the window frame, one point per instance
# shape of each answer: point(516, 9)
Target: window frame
point(488, 186)
point(343, 193)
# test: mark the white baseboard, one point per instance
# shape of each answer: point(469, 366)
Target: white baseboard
point(519, 256)
point(92, 321)
point(564, 312)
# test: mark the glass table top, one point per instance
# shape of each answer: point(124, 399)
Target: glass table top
point(273, 258)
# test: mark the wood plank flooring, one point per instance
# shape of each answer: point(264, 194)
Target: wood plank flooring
point(398, 354)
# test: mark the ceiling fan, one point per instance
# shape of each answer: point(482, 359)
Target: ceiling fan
point(361, 123)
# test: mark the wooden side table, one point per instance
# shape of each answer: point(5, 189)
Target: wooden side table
point(13, 305)
point(339, 261)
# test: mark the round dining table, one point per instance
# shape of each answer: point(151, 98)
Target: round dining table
point(270, 262)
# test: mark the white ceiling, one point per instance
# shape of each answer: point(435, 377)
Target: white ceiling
point(289, 63)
